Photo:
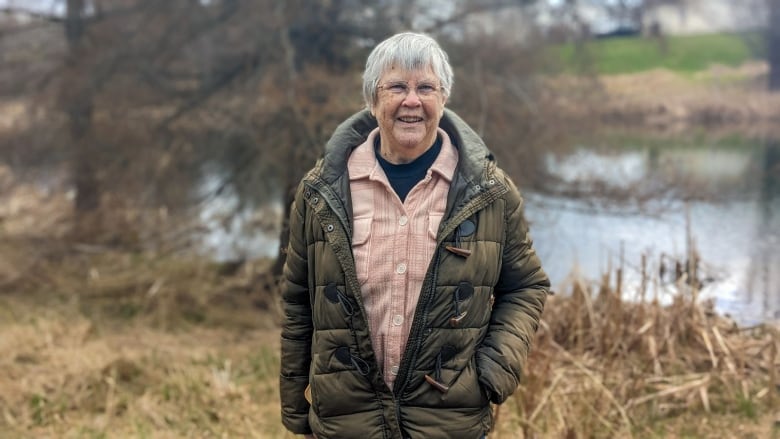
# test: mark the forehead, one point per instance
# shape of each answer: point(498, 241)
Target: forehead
point(397, 73)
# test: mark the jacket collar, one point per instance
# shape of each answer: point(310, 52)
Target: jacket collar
point(364, 164)
point(472, 152)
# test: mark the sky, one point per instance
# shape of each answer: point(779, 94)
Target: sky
point(596, 16)
point(59, 5)
point(35, 5)
point(55, 7)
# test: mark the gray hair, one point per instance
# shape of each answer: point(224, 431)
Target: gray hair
point(409, 51)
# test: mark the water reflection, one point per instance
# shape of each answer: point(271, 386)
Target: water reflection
point(733, 199)
point(764, 273)
point(604, 202)
point(234, 230)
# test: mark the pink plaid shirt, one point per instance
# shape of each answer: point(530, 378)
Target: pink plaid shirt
point(393, 243)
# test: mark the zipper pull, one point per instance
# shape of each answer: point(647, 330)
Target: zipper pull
point(458, 251)
point(436, 385)
point(455, 321)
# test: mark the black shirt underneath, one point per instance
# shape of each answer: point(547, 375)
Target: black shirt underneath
point(405, 176)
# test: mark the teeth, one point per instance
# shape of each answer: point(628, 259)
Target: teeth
point(410, 119)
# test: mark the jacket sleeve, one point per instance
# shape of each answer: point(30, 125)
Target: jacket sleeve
point(520, 295)
point(296, 325)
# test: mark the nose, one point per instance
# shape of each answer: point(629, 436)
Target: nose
point(412, 99)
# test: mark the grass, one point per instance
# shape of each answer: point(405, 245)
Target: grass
point(66, 375)
point(682, 54)
point(600, 367)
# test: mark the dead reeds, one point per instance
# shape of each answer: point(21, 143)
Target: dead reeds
point(603, 366)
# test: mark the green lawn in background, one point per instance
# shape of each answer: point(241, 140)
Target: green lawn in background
point(684, 54)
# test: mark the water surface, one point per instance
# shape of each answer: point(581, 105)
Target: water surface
point(611, 203)
point(646, 198)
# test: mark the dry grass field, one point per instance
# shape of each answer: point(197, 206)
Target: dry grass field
point(64, 377)
point(104, 345)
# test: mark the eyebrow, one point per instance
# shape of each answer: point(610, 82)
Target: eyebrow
point(422, 81)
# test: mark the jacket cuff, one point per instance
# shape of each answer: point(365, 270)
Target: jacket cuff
point(498, 383)
point(295, 407)
point(297, 423)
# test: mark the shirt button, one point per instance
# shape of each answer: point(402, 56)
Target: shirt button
point(398, 319)
point(403, 220)
point(401, 268)
point(394, 370)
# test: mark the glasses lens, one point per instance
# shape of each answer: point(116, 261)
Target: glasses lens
point(423, 90)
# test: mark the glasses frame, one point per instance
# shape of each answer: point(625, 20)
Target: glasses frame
point(402, 89)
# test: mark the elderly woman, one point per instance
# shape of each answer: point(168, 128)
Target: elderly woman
point(412, 289)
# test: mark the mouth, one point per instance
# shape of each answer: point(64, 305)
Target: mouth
point(410, 119)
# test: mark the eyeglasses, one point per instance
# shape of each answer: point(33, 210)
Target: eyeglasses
point(423, 90)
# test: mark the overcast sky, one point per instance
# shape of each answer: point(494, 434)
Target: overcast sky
point(597, 17)
point(52, 6)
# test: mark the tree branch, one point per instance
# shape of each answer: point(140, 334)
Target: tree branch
point(474, 9)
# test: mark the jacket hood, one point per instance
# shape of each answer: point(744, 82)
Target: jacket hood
point(472, 151)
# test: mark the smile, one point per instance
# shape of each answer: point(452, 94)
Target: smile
point(410, 119)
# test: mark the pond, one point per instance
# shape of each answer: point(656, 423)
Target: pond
point(723, 200)
point(613, 203)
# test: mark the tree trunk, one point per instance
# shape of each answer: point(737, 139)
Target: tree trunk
point(76, 101)
point(80, 121)
point(773, 45)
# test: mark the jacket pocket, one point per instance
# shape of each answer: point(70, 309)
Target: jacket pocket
point(464, 390)
point(360, 247)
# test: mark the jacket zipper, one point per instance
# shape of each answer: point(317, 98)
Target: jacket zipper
point(402, 372)
point(477, 204)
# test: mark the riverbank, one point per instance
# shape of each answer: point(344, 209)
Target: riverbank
point(720, 99)
point(96, 343)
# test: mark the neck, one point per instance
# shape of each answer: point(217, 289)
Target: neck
point(403, 155)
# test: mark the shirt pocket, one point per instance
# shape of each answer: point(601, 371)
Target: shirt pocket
point(361, 248)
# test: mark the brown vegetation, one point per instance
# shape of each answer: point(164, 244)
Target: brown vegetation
point(605, 367)
point(721, 98)
point(96, 343)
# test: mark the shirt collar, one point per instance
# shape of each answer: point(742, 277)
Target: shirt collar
point(447, 160)
point(363, 163)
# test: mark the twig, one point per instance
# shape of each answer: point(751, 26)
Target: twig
point(726, 350)
point(599, 384)
point(707, 342)
point(671, 391)
point(545, 397)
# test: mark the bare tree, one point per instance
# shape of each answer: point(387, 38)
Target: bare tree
point(76, 101)
point(126, 64)
point(773, 44)
point(155, 95)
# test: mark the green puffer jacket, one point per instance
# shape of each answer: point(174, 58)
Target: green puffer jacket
point(325, 336)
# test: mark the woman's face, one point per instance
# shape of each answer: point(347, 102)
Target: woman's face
point(408, 108)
